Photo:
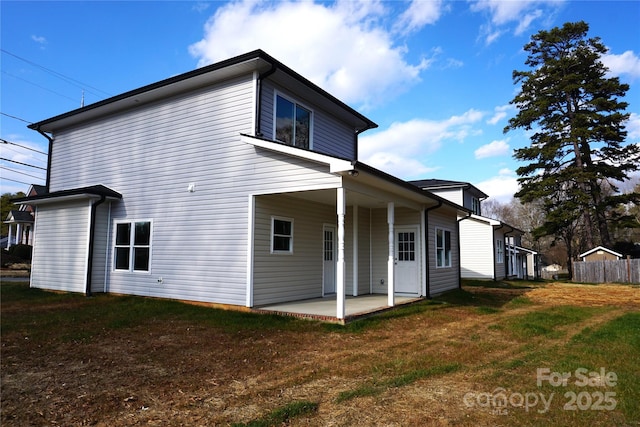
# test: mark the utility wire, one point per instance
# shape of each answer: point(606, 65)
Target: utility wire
point(17, 118)
point(13, 180)
point(23, 164)
point(40, 86)
point(22, 153)
point(20, 172)
point(4, 141)
point(61, 76)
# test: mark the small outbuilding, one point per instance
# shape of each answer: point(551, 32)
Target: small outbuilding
point(600, 253)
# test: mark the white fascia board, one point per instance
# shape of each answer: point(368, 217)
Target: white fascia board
point(335, 165)
point(485, 219)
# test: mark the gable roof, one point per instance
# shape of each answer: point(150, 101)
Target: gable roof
point(600, 248)
point(19, 216)
point(443, 184)
point(255, 61)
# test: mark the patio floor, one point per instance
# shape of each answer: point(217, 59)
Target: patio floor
point(325, 308)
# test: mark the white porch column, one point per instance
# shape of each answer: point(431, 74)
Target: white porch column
point(19, 234)
point(10, 236)
point(340, 279)
point(391, 263)
point(355, 250)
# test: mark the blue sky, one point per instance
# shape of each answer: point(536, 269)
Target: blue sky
point(435, 75)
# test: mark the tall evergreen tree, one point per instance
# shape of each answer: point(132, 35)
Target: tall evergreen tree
point(578, 143)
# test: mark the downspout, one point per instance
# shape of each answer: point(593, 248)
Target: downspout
point(50, 139)
point(426, 237)
point(259, 100)
point(460, 251)
point(92, 232)
point(495, 261)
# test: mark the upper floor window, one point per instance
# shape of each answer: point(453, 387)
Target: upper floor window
point(499, 251)
point(293, 123)
point(475, 206)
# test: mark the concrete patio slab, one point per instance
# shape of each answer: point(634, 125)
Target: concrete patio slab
point(325, 308)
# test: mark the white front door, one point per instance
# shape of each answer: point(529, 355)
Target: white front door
point(407, 259)
point(329, 260)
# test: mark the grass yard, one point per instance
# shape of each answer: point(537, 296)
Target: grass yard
point(508, 353)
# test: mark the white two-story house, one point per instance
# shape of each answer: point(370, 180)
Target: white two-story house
point(489, 249)
point(237, 184)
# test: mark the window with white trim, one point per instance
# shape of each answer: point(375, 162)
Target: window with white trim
point(443, 248)
point(293, 123)
point(281, 235)
point(132, 246)
point(499, 251)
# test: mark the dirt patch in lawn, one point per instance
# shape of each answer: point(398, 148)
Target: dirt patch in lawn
point(409, 369)
point(587, 295)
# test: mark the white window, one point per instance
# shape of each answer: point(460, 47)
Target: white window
point(293, 123)
point(499, 251)
point(281, 235)
point(443, 248)
point(132, 248)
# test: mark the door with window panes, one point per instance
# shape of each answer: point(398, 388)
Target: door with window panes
point(407, 260)
point(329, 260)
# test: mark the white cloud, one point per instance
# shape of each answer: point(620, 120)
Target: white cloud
point(633, 126)
point(39, 39)
point(501, 187)
point(500, 112)
point(344, 47)
point(626, 63)
point(493, 149)
point(503, 13)
point(419, 14)
point(402, 143)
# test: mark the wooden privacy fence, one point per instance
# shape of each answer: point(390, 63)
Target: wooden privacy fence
point(621, 271)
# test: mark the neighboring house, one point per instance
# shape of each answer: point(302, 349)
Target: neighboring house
point(600, 253)
point(285, 211)
point(489, 249)
point(20, 221)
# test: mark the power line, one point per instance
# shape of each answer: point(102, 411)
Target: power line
point(13, 180)
point(61, 76)
point(23, 164)
point(22, 173)
point(40, 86)
point(17, 118)
point(4, 141)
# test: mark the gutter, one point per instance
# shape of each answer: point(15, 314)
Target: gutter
point(495, 261)
point(261, 77)
point(355, 139)
point(460, 251)
point(50, 139)
point(426, 233)
point(92, 232)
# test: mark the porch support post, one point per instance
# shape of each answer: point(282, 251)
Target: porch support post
point(9, 237)
point(355, 251)
point(391, 262)
point(340, 267)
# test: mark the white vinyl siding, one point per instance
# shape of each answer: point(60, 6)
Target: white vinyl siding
point(442, 279)
point(59, 260)
point(298, 276)
point(476, 249)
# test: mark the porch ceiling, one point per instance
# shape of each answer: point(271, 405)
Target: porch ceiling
point(328, 197)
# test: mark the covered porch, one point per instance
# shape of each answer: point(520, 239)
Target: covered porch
point(324, 309)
